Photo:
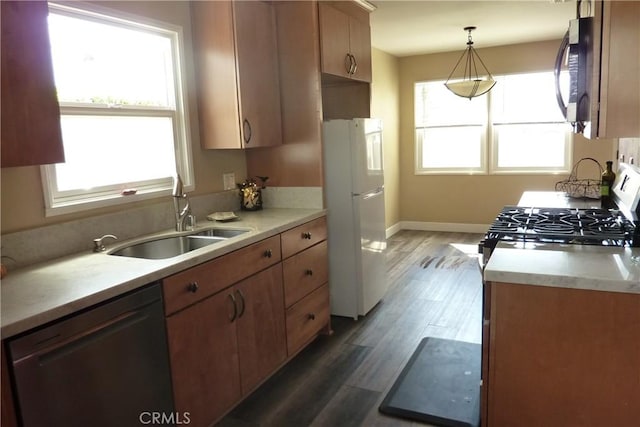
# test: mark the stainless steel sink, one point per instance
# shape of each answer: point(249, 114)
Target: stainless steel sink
point(168, 247)
point(225, 233)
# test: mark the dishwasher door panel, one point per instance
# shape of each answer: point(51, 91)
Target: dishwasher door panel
point(105, 367)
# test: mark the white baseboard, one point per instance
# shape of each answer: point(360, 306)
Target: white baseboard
point(452, 227)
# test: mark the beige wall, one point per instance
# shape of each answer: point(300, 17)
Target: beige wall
point(385, 104)
point(21, 198)
point(473, 199)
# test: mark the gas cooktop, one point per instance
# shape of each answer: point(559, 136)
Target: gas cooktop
point(604, 227)
point(562, 225)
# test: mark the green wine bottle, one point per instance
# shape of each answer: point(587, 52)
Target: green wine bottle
point(606, 187)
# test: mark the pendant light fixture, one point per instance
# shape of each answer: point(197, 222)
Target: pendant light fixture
point(472, 84)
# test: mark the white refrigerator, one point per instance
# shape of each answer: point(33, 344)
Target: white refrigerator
point(354, 197)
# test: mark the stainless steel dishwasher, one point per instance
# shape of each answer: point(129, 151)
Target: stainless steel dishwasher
point(107, 366)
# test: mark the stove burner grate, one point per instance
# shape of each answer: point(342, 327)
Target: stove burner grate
point(561, 225)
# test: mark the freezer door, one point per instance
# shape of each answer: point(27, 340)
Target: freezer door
point(373, 282)
point(366, 155)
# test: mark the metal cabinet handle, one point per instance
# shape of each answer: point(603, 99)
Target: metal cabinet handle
point(234, 316)
point(348, 65)
point(306, 235)
point(308, 272)
point(311, 316)
point(267, 253)
point(246, 131)
point(243, 302)
point(193, 287)
point(355, 65)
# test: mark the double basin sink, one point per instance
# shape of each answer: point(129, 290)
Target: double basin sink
point(168, 247)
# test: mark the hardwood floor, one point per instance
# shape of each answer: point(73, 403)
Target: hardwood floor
point(435, 289)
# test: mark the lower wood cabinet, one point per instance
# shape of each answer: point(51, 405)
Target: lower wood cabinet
point(222, 347)
point(562, 357)
point(203, 350)
point(261, 326)
point(234, 320)
point(306, 288)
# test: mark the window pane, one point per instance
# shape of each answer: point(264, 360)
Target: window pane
point(107, 64)
point(531, 146)
point(451, 147)
point(525, 98)
point(437, 106)
point(108, 150)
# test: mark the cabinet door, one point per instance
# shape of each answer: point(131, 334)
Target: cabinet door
point(360, 45)
point(258, 79)
point(204, 358)
point(261, 326)
point(618, 75)
point(334, 40)
point(31, 132)
point(216, 76)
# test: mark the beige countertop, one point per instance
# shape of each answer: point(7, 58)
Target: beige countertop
point(35, 295)
point(555, 199)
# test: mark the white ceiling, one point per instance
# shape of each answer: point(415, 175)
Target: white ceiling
point(404, 28)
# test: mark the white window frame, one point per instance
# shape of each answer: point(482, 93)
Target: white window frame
point(490, 146)
point(480, 170)
point(63, 202)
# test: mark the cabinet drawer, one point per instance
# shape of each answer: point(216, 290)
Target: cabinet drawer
point(189, 286)
point(304, 272)
point(306, 318)
point(303, 236)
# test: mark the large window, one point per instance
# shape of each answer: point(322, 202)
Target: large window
point(515, 128)
point(123, 109)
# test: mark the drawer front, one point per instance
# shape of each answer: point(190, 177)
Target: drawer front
point(306, 318)
point(304, 272)
point(192, 285)
point(303, 236)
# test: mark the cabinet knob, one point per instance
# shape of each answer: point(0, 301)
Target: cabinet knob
point(311, 316)
point(308, 272)
point(267, 253)
point(306, 235)
point(193, 287)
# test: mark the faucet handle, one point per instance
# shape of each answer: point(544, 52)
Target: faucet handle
point(98, 245)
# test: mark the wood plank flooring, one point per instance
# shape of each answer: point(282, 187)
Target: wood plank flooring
point(435, 289)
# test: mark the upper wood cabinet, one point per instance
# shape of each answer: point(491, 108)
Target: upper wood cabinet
point(31, 133)
point(345, 40)
point(237, 74)
point(616, 71)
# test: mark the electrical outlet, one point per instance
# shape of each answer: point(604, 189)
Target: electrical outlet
point(229, 180)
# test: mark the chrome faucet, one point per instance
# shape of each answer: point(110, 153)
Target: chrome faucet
point(184, 214)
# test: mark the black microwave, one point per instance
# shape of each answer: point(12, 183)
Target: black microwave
point(575, 56)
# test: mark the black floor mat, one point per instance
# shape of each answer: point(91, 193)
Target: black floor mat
point(440, 385)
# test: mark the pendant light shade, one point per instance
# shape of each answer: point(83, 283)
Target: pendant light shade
point(472, 83)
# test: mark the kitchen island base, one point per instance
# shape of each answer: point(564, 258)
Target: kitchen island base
point(565, 357)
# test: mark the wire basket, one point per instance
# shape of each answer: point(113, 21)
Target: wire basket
point(581, 188)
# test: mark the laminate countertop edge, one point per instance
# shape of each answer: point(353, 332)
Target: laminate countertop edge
point(584, 267)
point(38, 294)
